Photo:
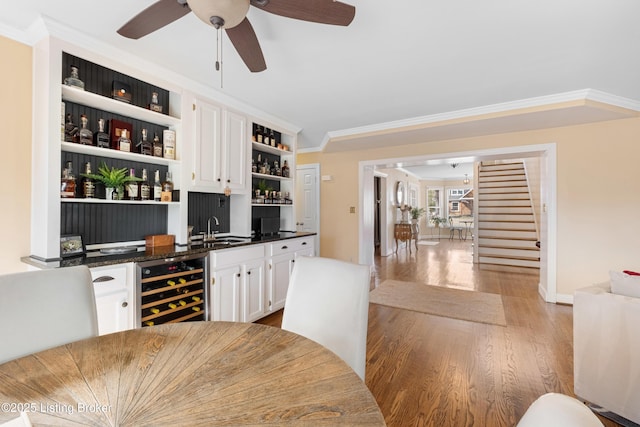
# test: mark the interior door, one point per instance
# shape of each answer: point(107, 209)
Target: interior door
point(307, 199)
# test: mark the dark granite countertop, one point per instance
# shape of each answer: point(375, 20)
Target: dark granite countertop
point(142, 254)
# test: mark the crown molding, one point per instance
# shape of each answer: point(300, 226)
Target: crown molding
point(548, 101)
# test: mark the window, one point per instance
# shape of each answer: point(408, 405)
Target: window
point(456, 192)
point(455, 206)
point(434, 203)
point(413, 195)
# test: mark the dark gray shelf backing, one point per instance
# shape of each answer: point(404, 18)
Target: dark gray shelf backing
point(99, 80)
point(109, 223)
point(204, 205)
point(258, 212)
point(78, 161)
point(93, 115)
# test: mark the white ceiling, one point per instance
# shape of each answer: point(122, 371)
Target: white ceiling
point(397, 61)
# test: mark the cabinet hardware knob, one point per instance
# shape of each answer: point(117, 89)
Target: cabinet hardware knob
point(124, 304)
point(219, 180)
point(228, 180)
point(285, 247)
point(238, 275)
point(103, 279)
point(304, 243)
point(248, 272)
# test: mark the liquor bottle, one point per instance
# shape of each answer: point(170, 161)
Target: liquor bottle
point(85, 135)
point(169, 144)
point(154, 106)
point(101, 138)
point(254, 167)
point(285, 170)
point(276, 167)
point(145, 190)
point(68, 182)
point(132, 186)
point(259, 134)
point(265, 137)
point(88, 186)
point(70, 130)
point(157, 146)
point(145, 146)
point(167, 189)
point(73, 79)
point(157, 187)
point(272, 138)
point(124, 143)
point(253, 133)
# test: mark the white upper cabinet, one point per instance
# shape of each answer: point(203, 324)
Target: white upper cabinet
point(220, 149)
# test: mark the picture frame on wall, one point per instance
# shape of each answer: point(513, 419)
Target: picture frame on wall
point(71, 245)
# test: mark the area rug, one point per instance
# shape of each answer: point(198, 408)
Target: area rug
point(440, 301)
point(427, 243)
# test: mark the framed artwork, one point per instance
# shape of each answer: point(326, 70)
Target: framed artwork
point(71, 245)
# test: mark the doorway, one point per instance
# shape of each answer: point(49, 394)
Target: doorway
point(547, 154)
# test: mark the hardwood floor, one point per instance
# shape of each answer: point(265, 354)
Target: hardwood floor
point(427, 370)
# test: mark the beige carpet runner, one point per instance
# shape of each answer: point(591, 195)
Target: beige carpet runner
point(440, 301)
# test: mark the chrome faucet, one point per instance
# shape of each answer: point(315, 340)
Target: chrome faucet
point(210, 237)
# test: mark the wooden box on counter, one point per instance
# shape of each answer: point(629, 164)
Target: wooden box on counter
point(160, 240)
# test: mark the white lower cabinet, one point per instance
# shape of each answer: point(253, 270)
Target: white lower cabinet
point(113, 287)
point(252, 281)
point(237, 284)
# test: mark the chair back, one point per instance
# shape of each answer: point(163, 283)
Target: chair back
point(558, 410)
point(44, 309)
point(328, 302)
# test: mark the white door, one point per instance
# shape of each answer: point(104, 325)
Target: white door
point(253, 291)
point(114, 312)
point(225, 294)
point(307, 198)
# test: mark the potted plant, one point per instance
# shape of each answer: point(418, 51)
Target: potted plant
point(416, 213)
point(436, 220)
point(114, 180)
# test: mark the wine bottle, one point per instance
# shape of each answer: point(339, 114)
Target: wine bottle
point(132, 187)
point(157, 187)
point(145, 190)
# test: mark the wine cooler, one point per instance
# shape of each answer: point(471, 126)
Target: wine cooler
point(172, 290)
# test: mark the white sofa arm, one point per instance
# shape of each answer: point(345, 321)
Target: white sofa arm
point(606, 348)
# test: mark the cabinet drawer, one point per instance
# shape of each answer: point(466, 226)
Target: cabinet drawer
point(222, 257)
point(290, 245)
point(109, 279)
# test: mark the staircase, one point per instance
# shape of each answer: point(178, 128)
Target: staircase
point(506, 227)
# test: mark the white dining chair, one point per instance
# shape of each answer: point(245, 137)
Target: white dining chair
point(558, 410)
point(21, 421)
point(44, 309)
point(328, 302)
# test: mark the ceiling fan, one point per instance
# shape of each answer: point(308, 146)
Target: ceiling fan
point(231, 16)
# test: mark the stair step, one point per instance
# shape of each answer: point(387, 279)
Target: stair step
point(527, 254)
point(508, 243)
point(503, 196)
point(484, 173)
point(505, 210)
point(496, 217)
point(501, 166)
point(515, 226)
point(510, 262)
point(507, 234)
point(501, 178)
point(510, 269)
point(504, 203)
point(504, 184)
point(508, 191)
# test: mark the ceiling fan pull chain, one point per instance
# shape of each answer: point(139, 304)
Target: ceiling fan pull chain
point(219, 54)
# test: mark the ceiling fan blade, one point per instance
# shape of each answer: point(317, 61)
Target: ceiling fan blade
point(321, 11)
point(154, 17)
point(246, 43)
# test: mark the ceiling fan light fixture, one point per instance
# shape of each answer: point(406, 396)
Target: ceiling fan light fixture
point(224, 13)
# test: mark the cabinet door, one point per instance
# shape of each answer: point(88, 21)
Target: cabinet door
point(253, 290)
point(225, 294)
point(114, 313)
point(235, 151)
point(208, 153)
point(279, 281)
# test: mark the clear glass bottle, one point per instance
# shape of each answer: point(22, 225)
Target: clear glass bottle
point(132, 186)
point(154, 105)
point(145, 146)
point(157, 187)
point(167, 188)
point(157, 146)
point(88, 186)
point(70, 130)
point(101, 138)
point(73, 79)
point(85, 135)
point(68, 182)
point(145, 190)
point(124, 143)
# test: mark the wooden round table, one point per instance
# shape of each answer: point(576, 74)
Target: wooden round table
point(194, 373)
